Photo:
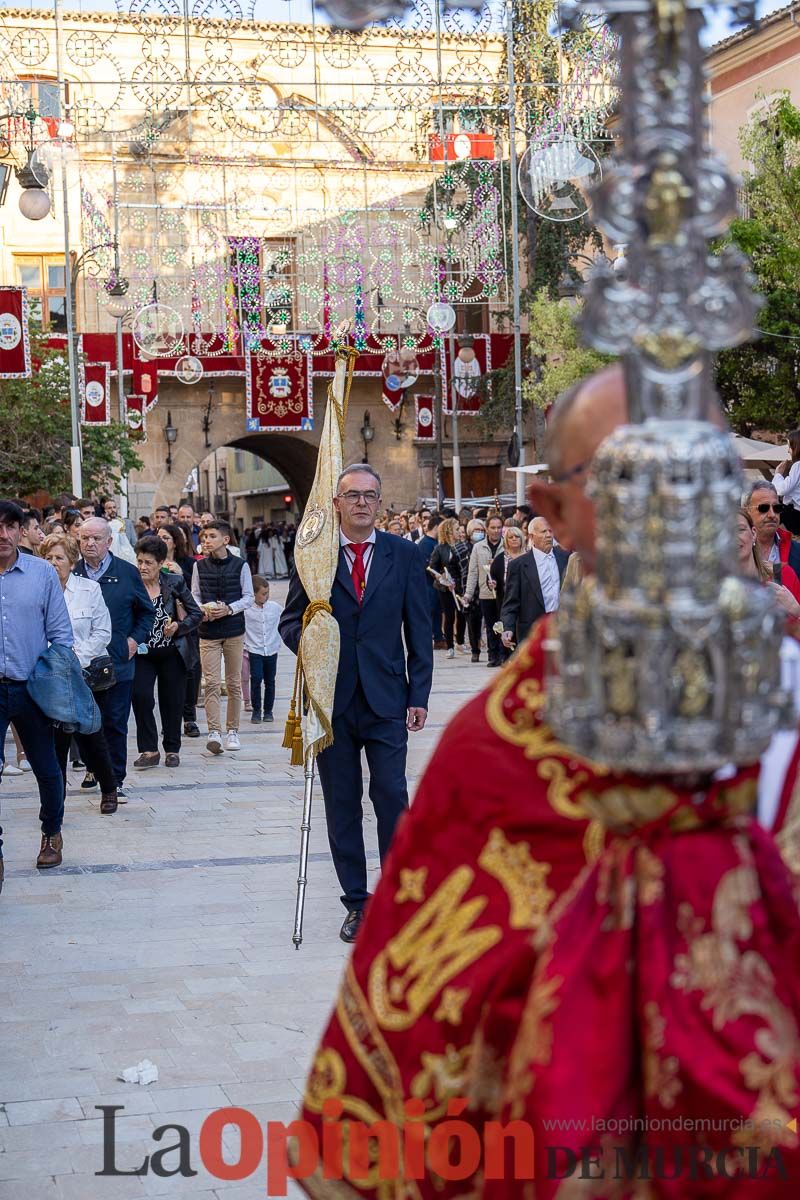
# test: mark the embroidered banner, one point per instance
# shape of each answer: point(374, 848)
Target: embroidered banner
point(15, 346)
point(137, 425)
point(467, 374)
point(426, 418)
point(145, 379)
point(279, 394)
point(94, 382)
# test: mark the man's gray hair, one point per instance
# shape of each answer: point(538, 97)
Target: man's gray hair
point(99, 521)
point(760, 485)
point(363, 469)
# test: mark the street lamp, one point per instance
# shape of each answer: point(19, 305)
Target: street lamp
point(171, 437)
point(367, 434)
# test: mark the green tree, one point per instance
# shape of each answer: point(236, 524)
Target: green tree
point(760, 383)
point(555, 342)
point(35, 433)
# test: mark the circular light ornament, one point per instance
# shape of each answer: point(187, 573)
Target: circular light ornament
point(157, 330)
point(34, 203)
point(555, 179)
point(462, 146)
point(441, 317)
point(189, 369)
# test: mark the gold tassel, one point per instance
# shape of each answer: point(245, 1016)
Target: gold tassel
point(297, 746)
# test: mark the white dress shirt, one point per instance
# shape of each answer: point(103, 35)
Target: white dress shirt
point(350, 557)
point(261, 628)
point(788, 487)
point(549, 578)
point(91, 620)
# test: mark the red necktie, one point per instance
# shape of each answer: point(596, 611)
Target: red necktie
point(358, 571)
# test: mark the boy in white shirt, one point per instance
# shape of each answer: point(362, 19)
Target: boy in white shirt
point(262, 642)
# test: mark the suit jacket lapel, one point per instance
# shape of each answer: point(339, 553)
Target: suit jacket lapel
point(533, 572)
point(381, 561)
point(343, 576)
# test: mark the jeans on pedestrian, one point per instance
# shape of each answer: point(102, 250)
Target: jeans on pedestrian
point(35, 731)
point(448, 604)
point(93, 749)
point(213, 653)
point(193, 677)
point(163, 668)
point(115, 709)
point(493, 643)
point(262, 672)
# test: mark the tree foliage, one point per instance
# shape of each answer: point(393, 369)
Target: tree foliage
point(760, 383)
point(562, 356)
point(35, 433)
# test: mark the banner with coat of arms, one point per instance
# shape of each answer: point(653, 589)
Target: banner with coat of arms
point(279, 393)
point(94, 383)
point(15, 346)
point(137, 422)
point(426, 418)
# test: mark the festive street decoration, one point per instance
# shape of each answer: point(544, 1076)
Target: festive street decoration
point(279, 395)
point(95, 392)
point(425, 414)
point(15, 348)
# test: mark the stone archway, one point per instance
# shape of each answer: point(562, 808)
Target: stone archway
point(296, 460)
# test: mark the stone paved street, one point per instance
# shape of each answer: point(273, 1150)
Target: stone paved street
point(167, 935)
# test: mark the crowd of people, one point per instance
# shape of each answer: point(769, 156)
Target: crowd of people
point(154, 610)
point(176, 602)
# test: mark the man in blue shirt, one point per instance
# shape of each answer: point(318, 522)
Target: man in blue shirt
point(132, 614)
point(32, 613)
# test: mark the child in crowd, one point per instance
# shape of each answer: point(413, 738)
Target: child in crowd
point(262, 642)
point(222, 586)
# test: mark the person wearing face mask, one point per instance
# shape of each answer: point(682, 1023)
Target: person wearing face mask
point(487, 542)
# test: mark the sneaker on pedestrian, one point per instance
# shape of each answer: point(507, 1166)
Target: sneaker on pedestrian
point(50, 851)
point(462, 649)
point(191, 729)
point(24, 765)
point(77, 765)
point(148, 758)
point(88, 781)
point(214, 743)
point(256, 718)
point(10, 769)
point(121, 796)
point(268, 717)
point(451, 653)
point(232, 740)
point(248, 707)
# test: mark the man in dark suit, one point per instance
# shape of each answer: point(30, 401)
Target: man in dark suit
point(132, 613)
point(379, 599)
point(533, 583)
point(426, 546)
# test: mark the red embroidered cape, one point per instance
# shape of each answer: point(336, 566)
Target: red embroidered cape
point(520, 956)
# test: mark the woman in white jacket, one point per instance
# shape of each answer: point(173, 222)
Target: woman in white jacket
point(91, 627)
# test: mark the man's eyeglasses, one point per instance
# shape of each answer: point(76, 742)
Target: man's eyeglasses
point(765, 508)
point(369, 497)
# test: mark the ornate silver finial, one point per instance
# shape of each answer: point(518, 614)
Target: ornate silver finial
point(665, 661)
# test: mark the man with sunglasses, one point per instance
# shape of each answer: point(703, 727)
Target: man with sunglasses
point(775, 543)
point(380, 603)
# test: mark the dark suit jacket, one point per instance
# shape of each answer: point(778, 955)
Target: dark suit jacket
point(130, 608)
point(173, 589)
point(395, 607)
point(523, 602)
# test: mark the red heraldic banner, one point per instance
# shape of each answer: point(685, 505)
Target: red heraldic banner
point(15, 346)
point(279, 393)
point(137, 407)
point(426, 421)
point(95, 393)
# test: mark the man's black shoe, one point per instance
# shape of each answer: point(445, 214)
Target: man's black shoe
point(88, 781)
point(476, 658)
point(191, 729)
point(351, 925)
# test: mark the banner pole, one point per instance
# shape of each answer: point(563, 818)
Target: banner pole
point(305, 830)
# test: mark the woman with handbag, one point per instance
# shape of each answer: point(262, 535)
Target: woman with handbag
point(166, 657)
point(91, 627)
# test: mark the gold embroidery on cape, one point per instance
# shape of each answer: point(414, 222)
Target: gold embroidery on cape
point(738, 982)
point(523, 878)
point(660, 1074)
point(788, 839)
point(434, 946)
point(442, 1077)
point(525, 728)
point(451, 1005)
point(484, 1081)
point(412, 885)
point(369, 1045)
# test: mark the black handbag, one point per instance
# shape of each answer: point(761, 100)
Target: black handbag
point(99, 674)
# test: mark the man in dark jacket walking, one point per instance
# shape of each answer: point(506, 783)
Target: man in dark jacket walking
point(132, 615)
point(379, 600)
